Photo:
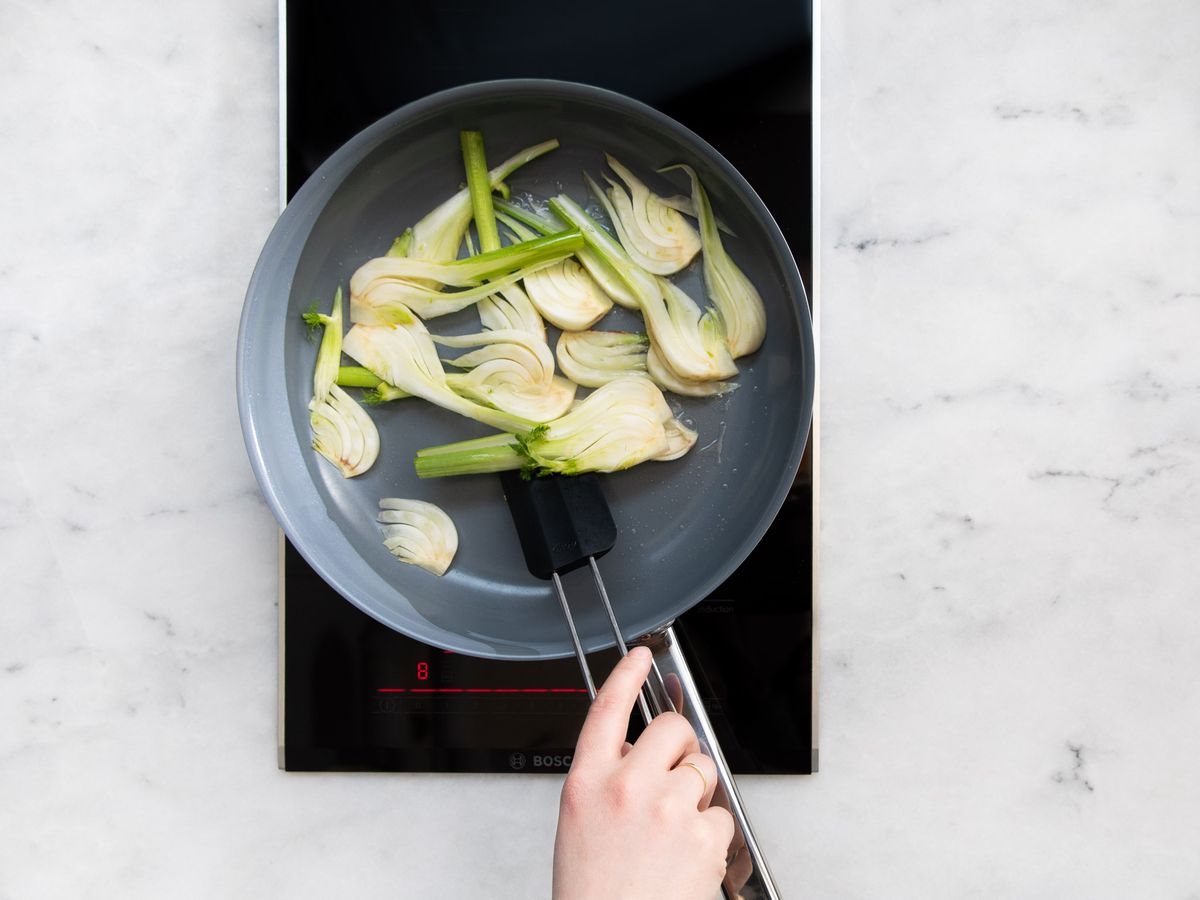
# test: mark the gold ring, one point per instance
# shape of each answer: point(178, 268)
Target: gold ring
point(695, 768)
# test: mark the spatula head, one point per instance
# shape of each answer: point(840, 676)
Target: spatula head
point(561, 520)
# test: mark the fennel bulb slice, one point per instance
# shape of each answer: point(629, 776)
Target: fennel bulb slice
point(532, 356)
point(602, 273)
point(389, 289)
point(535, 402)
point(404, 356)
point(684, 205)
point(607, 277)
point(567, 295)
point(617, 426)
point(669, 381)
point(680, 439)
point(733, 294)
point(689, 341)
point(656, 236)
point(594, 358)
point(418, 533)
point(564, 293)
point(703, 334)
point(511, 309)
point(392, 301)
point(513, 371)
point(342, 432)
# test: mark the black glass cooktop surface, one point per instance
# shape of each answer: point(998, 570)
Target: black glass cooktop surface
point(355, 695)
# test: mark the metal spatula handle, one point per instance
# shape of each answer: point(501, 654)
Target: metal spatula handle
point(643, 704)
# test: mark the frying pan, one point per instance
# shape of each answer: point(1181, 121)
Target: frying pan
point(685, 526)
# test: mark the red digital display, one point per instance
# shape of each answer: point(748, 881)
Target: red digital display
point(423, 675)
point(450, 690)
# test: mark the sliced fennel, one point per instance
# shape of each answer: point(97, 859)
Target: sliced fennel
point(513, 371)
point(509, 308)
point(690, 342)
point(536, 403)
point(619, 425)
point(419, 533)
point(400, 245)
point(655, 236)
point(438, 235)
point(594, 358)
point(736, 298)
point(329, 353)
point(680, 439)
point(388, 289)
point(567, 295)
point(342, 432)
point(405, 356)
point(563, 292)
point(669, 381)
point(531, 359)
point(602, 273)
point(684, 205)
point(380, 391)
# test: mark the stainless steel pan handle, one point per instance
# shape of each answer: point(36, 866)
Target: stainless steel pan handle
point(671, 686)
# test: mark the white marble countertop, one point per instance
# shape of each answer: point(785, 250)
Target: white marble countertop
point(1010, 610)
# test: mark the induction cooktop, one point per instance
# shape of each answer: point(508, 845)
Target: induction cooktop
point(355, 695)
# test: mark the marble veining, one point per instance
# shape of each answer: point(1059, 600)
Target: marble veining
point(1076, 775)
point(1010, 697)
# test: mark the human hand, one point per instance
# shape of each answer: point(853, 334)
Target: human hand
point(634, 821)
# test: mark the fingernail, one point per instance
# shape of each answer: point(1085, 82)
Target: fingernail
point(640, 652)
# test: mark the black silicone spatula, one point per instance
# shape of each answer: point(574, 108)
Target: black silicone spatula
point(564, 523)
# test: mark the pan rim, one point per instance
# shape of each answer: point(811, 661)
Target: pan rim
point(311, 199)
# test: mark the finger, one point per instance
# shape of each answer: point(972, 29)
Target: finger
point(664, 742)
point(695, 778)
point(719, 820)
point(675, 691)
point(607, 720)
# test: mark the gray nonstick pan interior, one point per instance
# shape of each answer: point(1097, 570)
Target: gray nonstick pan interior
point(684, 525)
